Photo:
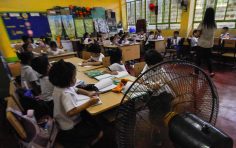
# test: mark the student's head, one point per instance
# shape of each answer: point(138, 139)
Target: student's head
point(115, 56)
point(151, 33)
point(209, 18)
point(141, 32)
point(53, 45)
point(41, 65)
point(27, 47)
point(112, 39)
point(225, 30)
point(26, 39)
point(86, 35)
point(158, 32)
point(62, 74)
point(95, 50)
point(176, 33)
point(152, 57)
point(25, 57)
point(196, 33)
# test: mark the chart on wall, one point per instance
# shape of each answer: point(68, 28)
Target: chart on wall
point(79, 26)
point(33, 24)
point(55, 25)
point(89, 25)
point(69, 26)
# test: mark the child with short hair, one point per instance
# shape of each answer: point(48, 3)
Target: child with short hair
point(42, 66)
point(87, 39)
point(158, 35)
point(150, 37)
point(54, 50)
point(116, 62)
point(124, 39)
point(152, 57)
point(29, 77)
point(75, 130)
point(194, 39)
point(96, 56)
point(225, 34)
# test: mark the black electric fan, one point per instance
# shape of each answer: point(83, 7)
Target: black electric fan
point(170, 106)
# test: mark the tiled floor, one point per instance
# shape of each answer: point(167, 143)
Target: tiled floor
point(225, 81)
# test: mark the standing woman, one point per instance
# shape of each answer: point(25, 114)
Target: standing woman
point(206, 39)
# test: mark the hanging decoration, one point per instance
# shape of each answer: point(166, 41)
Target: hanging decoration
point(80, 11)
point(152, 7)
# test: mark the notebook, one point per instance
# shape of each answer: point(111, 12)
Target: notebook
point(81, 99)
point(105, 85)
point(93, 73)
point(119, 75)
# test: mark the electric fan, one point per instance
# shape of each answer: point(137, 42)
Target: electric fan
point(163, 107)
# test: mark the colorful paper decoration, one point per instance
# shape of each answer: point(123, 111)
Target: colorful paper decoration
point(152, 7)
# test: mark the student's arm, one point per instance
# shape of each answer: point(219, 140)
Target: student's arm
point(91, 63)
point(77, 110)
point(35, 87)
point(110, 72)
point(87, 93)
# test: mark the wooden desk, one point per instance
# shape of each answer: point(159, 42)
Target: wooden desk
point(109, 99)
point(159, 45)
point(76, 61)
point(110, 46)
point(130, 52)
point(62, 56)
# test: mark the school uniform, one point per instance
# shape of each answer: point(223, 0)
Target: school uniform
point(194, 41)
point(87, 41)
point(150, 37)
point(56, 52)
point(76, 131)
point(97, 59)
point(28, 75)
point(117, 67)
point(225, 36)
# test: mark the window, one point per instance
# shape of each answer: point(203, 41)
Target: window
point(225, 12)
point(168, 17)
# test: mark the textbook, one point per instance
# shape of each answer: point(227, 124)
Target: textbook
point(105, 85)
point(119, 75)
point(93, 73)
point(81, 99)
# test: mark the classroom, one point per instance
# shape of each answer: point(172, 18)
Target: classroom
point(118, 73)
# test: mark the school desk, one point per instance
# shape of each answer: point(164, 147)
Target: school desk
point(130, 52)
point(62, 56)
point(159, 45)
point(109, 99)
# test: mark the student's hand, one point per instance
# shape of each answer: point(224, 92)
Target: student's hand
point(93, 100)
point(114, 73)
point(92, 94)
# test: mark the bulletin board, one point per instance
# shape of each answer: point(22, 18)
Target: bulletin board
point(21, 23)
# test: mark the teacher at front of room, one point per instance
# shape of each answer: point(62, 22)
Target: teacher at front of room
point(206, 40)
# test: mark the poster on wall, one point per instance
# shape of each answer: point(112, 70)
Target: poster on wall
point(89, 25)
point(68, 24)
point(32, 24)
point(79, 27)
point(55, 25)
point(101, 25)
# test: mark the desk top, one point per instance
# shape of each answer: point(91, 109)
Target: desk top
point(76, 61)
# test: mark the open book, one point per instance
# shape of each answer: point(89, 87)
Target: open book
point(119, 75)
point(105, 85)
point(81, 99)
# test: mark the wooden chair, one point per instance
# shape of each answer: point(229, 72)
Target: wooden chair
point(86, 55)
point(138, 67)
point(160, 46)
point(106, 61)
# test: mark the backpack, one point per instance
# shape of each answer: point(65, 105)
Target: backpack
point(39, 135)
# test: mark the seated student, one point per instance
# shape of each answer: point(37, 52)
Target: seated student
point(141, 35)
point(116, 62)
point(175, 39)
point(53, 50)
point(194, 39)
point(42, 66)
point(225, 33)
point(96, 56)
point(150, 37)
point(152, 57)
point(121, 33)
point(76, 130)
point(28, 40)
point(87, 39)
point(114, 40)
point(29, 77)
point(124, 39)
point(158, 35)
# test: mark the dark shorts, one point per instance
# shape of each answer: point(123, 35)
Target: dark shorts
point(81, 135)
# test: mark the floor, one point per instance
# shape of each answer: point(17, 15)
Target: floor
point(226, 86)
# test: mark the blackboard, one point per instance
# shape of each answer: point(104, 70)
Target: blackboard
point(18, 24)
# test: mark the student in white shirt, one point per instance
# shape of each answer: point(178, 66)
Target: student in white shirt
point(158, 35)
point(54, 50)
point(87, 39)
point(29, 77)
point(225, 34)
point(152, 58)
point(75, 130)
point(116, 62)
point(194, 39)
point(124, 39)
point(150, 37)
point(28, 40)
point(96, 56)
point(42, 66)
point(27, 47)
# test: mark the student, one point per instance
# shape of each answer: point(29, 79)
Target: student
point(194, 39)
point(141, 35)
point(75, 130)
point(115, 39)
point(158, 35)
point(96, 56)
point(87, 39)
point(124, 39)
point(28, 40)
point(152, 57)
point(42, 66)
point(121, 33)
point(29, 77)
point(53, 50)
point(175, 39)
point(150, 37)
point(116, 62)
point(225, 33)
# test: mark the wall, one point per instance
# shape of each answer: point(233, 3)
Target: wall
point(43, 5)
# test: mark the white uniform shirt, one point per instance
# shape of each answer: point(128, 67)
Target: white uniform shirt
point(117, 67)
point(97, 59)
point(194, 41)
point(64, 100)
point(46, 89)
point(28, 75)
point(57, 52)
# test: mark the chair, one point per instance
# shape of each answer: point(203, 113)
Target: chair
point(138, 67)
point(229, 48)
point(217, 46)
point(86, 55)
point(160, 46)
point(106, 61)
